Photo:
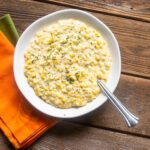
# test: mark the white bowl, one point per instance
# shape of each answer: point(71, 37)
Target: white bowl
point(23, 43)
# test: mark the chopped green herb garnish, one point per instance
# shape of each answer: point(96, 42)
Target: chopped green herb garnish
point(70, 80)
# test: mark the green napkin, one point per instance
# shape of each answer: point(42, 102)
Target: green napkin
point(8, 28)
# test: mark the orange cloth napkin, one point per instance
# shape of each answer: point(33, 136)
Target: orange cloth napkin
point(20, 122)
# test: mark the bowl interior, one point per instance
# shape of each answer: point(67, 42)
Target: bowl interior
point(23, 43)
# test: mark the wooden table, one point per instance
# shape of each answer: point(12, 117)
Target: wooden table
point(103, 129)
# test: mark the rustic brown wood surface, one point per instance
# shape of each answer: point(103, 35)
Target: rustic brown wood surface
point(77, 137)
point(104, 128)
point(138, 10)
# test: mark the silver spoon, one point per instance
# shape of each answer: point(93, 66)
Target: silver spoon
point(130, 119)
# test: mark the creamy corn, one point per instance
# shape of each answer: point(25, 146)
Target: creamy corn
point(63, 62)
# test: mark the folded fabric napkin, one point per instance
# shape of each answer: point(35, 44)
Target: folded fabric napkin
point(19, 121)
point(8, 28)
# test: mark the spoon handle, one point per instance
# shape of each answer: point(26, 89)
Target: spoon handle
point(130, 119)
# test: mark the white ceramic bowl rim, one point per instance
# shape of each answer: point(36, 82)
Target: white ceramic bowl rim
point(28, 92)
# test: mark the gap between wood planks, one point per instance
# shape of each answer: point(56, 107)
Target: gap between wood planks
point(92, 10)
point(135, 75)
point(110, 129)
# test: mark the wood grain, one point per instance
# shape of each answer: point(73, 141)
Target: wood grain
point(68, 136)
point(139, 9)
point(132, 35)
point(135, 94)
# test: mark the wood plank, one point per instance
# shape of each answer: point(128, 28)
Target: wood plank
point(139, 9)
point(132, 35)
point(67, 136)
point(71, 136)
point(135, 94)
